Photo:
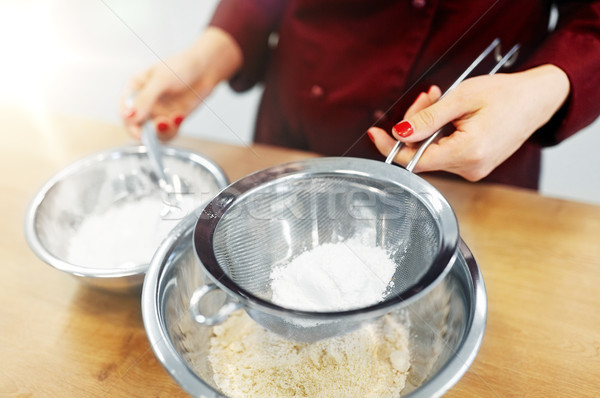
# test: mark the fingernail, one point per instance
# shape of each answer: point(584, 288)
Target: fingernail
point(162, 127)
point(129, 113)
point(371, 136)
point(178, 120)
point(404, 128)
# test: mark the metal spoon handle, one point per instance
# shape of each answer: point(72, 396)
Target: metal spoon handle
point(154, 150)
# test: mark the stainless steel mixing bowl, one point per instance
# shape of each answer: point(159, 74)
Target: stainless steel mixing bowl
point(446, 325)
point(95, 183)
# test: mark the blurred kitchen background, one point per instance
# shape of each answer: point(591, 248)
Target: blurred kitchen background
point(75, 56)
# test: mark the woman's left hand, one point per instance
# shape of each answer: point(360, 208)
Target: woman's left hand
point(492, 117)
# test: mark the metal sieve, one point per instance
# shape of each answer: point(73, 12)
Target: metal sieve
point(267, 219)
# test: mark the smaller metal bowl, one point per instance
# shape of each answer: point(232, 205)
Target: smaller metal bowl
point(94, 184)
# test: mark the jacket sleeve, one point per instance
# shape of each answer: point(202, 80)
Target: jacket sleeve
point(250, 23)
point(575, 48)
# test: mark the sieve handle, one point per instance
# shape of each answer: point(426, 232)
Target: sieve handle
point(228, 307)
point(501, 61)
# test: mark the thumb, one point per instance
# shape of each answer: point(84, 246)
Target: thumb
point(422, 124)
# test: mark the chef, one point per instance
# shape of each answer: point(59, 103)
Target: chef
point(350, 77)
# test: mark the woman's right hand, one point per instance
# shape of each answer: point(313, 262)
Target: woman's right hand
point(169, 91)
point(492, 117)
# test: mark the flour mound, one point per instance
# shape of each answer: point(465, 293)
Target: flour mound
point(249, 361)
point(334, 277)
point(124, 236)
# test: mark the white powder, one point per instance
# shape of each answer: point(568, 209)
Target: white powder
point(334, 277)
point(249, 361)
point(125, 235)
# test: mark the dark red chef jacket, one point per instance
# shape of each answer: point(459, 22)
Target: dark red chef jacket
point(333, 68)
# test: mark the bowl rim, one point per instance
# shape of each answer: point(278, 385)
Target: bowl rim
point(114, 153)
point(455, 368)
point(446, 377)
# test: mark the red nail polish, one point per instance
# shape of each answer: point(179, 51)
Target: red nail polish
point(178, 120)
point(404, 128)
point(371, 136)
point(162, 127)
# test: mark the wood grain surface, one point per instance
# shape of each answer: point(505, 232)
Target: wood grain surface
point(540, 259)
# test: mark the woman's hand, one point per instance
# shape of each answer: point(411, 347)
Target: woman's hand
point(492, 117)
point(170, 90)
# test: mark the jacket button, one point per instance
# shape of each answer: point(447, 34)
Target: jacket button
point(379, 116)
point(419, 3)
point(316, 91)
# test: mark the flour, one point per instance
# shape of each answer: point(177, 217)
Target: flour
point(372, 361)
point(249, 361)
point(125, 235)
point(334, 277)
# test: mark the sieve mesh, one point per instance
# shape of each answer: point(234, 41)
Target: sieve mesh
point(283, 219)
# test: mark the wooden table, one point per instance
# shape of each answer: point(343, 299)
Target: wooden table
point(540, 259)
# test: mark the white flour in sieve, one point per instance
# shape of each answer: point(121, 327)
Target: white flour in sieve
point(124, 236)
point(334, 277)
